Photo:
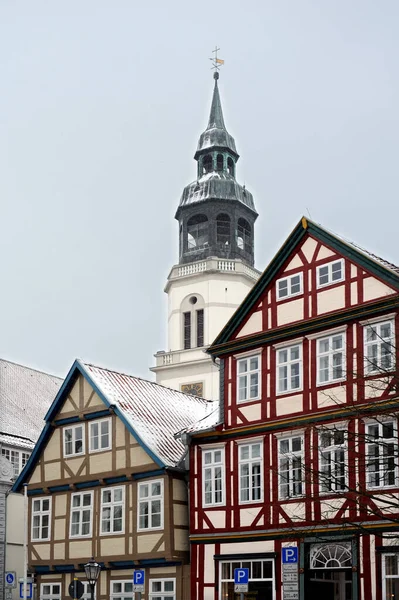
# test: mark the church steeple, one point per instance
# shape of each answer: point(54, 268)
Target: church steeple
point(216, 214)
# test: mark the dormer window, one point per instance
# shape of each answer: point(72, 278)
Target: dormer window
point(330, 273)
point(289, 286)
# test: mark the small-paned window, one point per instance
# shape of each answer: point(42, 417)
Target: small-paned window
point(81, 514)
point(332, 460)
point(41, 517)
point(248, 378)
point(200, 327)
point(290, 457)
point(100, 435)
point(261, 578)
point(330, 359)
point(112, 510)
point(289, 286)
point(50, 591)
point(390, 576)
point(332, 272)
point(250, 462)
point(150, 509)
point(122, 590)
point(289, 368)
point(17, 458)
point(187, 330)
point(74, 440)
point(213, 476)
point(162, 589)
point(379, 347)
point(381, 453)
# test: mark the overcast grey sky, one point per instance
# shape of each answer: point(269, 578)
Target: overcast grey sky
point(101, 106)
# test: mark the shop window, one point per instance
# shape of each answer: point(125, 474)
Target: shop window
point(261, 578)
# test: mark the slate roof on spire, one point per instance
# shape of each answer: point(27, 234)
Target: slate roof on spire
point(216, 134)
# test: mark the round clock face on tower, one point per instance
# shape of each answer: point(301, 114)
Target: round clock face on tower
point(195, 389)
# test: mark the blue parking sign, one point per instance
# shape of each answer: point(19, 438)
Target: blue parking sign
point(241, 576)
point(28, 590)
point(139, 577)
point(289, 554)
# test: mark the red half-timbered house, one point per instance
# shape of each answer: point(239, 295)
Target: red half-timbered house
point(303, 451)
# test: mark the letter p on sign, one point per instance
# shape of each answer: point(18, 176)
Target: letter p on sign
point(290, 554)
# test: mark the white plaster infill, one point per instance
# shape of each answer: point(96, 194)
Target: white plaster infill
point(177, 357)
point(212, 265)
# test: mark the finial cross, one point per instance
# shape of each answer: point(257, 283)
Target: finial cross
point(216, 62)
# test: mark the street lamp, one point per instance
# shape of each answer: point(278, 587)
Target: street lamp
point(92, 570)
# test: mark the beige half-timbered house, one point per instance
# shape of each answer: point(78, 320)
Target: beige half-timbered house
point(106, 480)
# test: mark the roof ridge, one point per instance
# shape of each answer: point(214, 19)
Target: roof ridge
point(11, 362)
point(86, 364)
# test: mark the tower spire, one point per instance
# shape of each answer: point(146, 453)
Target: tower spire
point(216, 114)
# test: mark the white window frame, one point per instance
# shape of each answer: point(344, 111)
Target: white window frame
point(51, 595)
point(290, 285)
point(80, 510)
point(246, 563)
point(379, 460)
point(329, 461)
point(123, 595)
point(371, 367)
point(41, 513)
point(329, 267)
point(290, 478)
point(73, 428)
point(289, 365)
point(18, 458)
point(113, 504)
point(212, 467)
point(387, 594)
point(98, 423)
point(247, 470)
point(247, 376)
point(329, 355)
point(149, 500)
point(163, 594)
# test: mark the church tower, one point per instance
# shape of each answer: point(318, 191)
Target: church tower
point(216, 218)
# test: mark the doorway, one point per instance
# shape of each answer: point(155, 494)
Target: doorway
point(329, 584)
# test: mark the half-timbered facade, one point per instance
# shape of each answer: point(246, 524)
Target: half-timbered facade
point(303, 451)
point(106, 481)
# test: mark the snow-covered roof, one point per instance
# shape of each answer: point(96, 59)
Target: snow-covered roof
point(209, 421)
point(155, 412)
point(25, 396)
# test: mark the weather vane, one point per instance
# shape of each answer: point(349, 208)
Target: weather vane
point(216, 62)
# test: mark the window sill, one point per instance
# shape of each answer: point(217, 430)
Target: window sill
point(290, 297)
point(322, 286)
point(100, 450)
point(289, 392)
point(149, 529)
point(248, 401)
point(321, 384)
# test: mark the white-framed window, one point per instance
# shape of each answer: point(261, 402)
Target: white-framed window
point(250, 458)
point(290, 465)
point(17, 458)
point(289, 286)
point(289, 368)
point(261, 577)
point(213, 476)
point(81, 514)
point(41, 519)
point(379, 347)
point(330, 273)
point(122, 590)
point(150, 509)
point(50, 591)
point(100, 435)
point(112, 510)
point(74, 442)
point(330, 359)
point(332, 460)
point(390, 576)
point(381, 454)
point(163, 589)
point(248, 378)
